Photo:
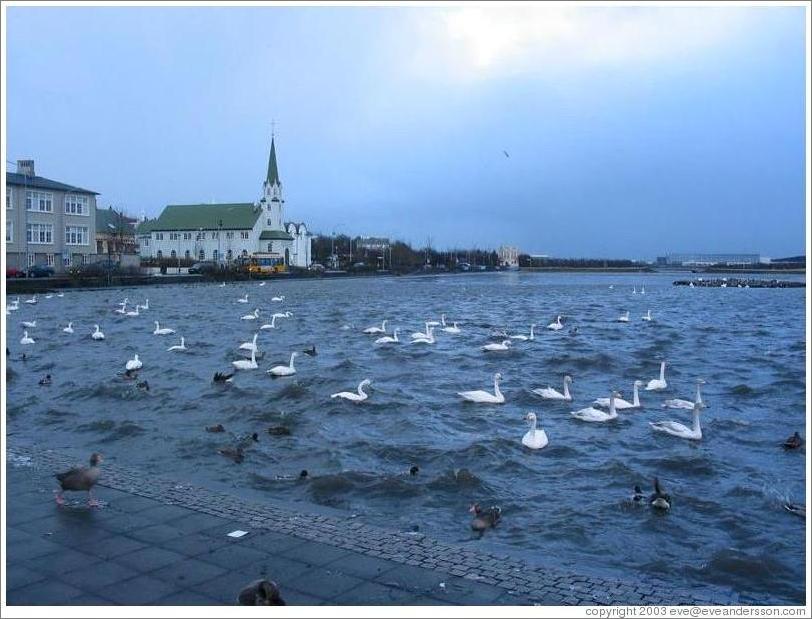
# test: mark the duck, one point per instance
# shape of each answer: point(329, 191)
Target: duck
point(31, 324)
point(573, 331)
point(496, 347)
point(535, 438)
point(360, 396)
point(525, 338)
point(178, 347)
point(549, 393)
point(25, 340)
point(68, 329)
point(556, 326)
point(485, 519)
point(279, 431)
point(374, 330)
point(485, 397)
point(659, 499)
point(134, 364)
point(222, 377)
point(674, 428)
point(454, 329)
point(637, 495)
point(260, 592)
point(284, 370)
point(97, 334)
point(624, 317)
point(45, 380)
point(243, 299)
point(686, 404)
point(278, 299)
point(270, 325)
point(414, 470)
point(647, 316)
point(80, 479)
point(236, 454)
point(162, 331)
point(252, 345)
point(247, 364)
point(597, 415)
point(799, 509)
point(215, 428)
point(387, 339)
point(142, 385)
point(252, 316)
point(657, 384)
point(310, 352)
point(621, 404)
point(793, 442)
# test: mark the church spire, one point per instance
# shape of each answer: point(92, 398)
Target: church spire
point(273, 172)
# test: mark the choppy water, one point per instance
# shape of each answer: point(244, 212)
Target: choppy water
point(564, 505)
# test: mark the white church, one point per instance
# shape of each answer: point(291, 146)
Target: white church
point(225, 232)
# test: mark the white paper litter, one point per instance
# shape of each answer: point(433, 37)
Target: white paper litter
point(237, 533)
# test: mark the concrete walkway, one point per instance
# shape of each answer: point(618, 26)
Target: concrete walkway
point(166, 543)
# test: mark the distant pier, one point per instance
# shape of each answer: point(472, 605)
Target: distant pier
point(738, 282)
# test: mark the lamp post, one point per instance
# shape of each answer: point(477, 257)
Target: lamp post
point(219, 246)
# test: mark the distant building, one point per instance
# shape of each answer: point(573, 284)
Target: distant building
point(373, 243)
point(47, 222)
point(115, 236)
point(687, 260)
point(224, 232)
point(508, 256)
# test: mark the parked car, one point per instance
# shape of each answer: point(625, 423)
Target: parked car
point(40, 270)
point(12, 272)
point(206, 266)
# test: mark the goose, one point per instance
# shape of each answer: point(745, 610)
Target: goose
point(160, 331)
point(534, 439)
point(253, 316)
point(485, 519)
point(134, 364)
point(793, 442)
point(135, 312)
point(30, 324)
point(660, 499)
point(97, 334)
point(260, 592)
point(495, 347)
point(656, 384)
point(597, 415)
point(252, 345)
point(673, 428)
point(525, 338)
point(425, 340)
point(284, 370)
point(181, 347)
point(422, 334)
point(454, 329)
point(247, 364)
point(549, 393)
point(80, 479)
point(386, 339)
point(25, 340)
point(624, 317)
point(32, 300)
point(556, 326)
point(485, 397)
point(622, 404)
point(270, 325)
point(686, 404)
point(373, 330)
point(243, 299)
point(354, 397)
point(69, 328)
point(278, 299)
point(647, 316)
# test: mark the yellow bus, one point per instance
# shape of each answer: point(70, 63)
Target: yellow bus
point(266, 263)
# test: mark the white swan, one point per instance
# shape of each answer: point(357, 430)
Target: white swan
point(32, 300)
point(535, 438)
point(134, 363)
point(60, 295)
point(181, 347)
point(160, 331)
point(145, 306)
point(252, 345)
point(97, 334)
point(485, 397)
point(252, 316)
point(656, 384)
point(496, 347)
point(135, 312)
point(360, 396)
point(687, 404)
point(677, 429)
point(425, 340)
point(621, 404)
point(278, 299)
point(525, 338)
point(243, 299)
point(271, 325)
point(387, 339)
point(454, 329)
point(556, 326)
point(437, 323)
point(287, 314)
point(634, 290)
point(624, 317)
point(123, 307)
point(49, 296)
point(29, 324)
point(373, 330)
point(597, 415)
point(549, 393)
point(643, 290)
point(246, 364)
point(647, 316)
point(284, 370)
point(261, 284)
point(417, 335)
point(25, 340)
point(69, 328)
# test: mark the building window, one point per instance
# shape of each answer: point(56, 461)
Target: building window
point(76, 205)
point(214, 235)
point(229, 235)
point(187, 255)
point(229, 255)
point(172, 254)
point(160, 254)
point(270, 247)
point(244, 235)
point(202, 254)
point(32, 258)
point(159, 236)
point(187, 236)
point(9, 198)
point(174, 236)
point(9, 231)
point(244, 253)
point(201, 236)
point(39, 201)
point(49, 259)
point(215, 255)
point(269, 222)
point(145, 241)
point(39, 234)
point(76, 235)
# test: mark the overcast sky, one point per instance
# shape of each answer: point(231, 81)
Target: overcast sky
point(629, 132)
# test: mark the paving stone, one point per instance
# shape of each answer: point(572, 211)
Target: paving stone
point(195, 522)
point(149, 559)
point(93, 577)
point(64, 560)
point(194, 544)
point(373, 594)
point(189, 572)
point(327, 583)
point(114, 546)
point(139, 590)
point(55, 594)
point(156, 534)
point(362, 567)
point(186, 598)
point(232, 556)
point(18, 576)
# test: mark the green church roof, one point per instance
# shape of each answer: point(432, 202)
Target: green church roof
point(239, 216)
point(273, 172)
point(274, 235)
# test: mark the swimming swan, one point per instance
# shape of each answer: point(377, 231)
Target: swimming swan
point(436, 323)
point(656, 384)
point(284, 370)
point(135, 312)
point(686, 404)
point(535, 438)
point(32, 300)
point(556, 326)
point(597, 415)
point(164, 331)
point(253, 316)
point(623, 404)
point(373, 330)
point(134, 364)
point(30, 324)
point(25, 340)
point(647, 317)
point(181, 346)
point(360, 396)
point(549, 393)
point(243, 299)
point(278, 299)
point(525, 338)
point(624, 317)
point(425, 340)
point(246, 364)
point(422, 334)
point(69, 328)
point(677, 429)
point(485, 397)
point(252, 345)
point(504, 345)
point(97, 334)
point(272, 324)
point(455, 329)
point(387, 339)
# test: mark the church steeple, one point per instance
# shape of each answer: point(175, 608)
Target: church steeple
point(273, 171)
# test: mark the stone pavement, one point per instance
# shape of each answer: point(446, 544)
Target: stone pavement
point(159, 542)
